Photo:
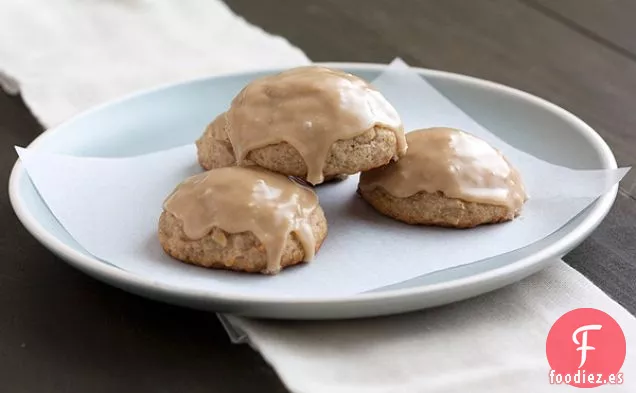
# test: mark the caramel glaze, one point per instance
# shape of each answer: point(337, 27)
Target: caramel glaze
point(238, 199)
point(310, 108)
point(453, 162)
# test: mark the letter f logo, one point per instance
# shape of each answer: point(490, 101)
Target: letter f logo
point(583, 344)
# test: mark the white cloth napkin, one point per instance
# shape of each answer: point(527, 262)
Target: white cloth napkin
point(492, 343)
point(65, 56)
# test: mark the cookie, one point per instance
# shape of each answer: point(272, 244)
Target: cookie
point(310, 122)
point(214, 149)
point(242, 219)
point(447, 178)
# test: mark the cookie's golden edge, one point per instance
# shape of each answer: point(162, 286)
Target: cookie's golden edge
point(436, 209)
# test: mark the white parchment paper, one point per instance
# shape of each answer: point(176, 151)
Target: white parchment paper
point(111, 207)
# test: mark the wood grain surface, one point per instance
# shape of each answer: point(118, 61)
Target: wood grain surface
point(61, 331)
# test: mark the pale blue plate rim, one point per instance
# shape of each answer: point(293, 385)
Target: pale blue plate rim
point(184, 295)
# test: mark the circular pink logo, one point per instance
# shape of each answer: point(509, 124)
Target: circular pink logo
point(586, 348)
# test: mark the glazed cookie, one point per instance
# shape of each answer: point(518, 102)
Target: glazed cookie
point(244, 219)
point(447, 178)
point(214, 150)
point(309, 122)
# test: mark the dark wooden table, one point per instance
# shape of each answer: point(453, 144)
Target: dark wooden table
point(61, 331)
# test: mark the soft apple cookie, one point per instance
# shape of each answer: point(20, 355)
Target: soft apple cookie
point(242, 218)
point(309, 122)
point(447, 178)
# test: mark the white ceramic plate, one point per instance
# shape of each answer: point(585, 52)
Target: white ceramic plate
point(176, 115)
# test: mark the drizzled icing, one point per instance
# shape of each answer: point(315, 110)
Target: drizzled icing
point(310, 108)
point(453, 162)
